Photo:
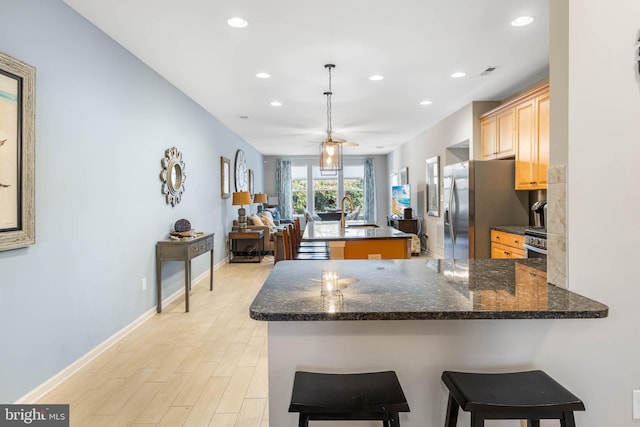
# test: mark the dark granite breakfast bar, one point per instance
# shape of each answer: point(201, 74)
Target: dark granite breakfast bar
point(415, 317)
point(410, 290)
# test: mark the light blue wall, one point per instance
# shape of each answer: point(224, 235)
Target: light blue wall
point(103, 122)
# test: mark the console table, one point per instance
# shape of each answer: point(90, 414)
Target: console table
point(185, 250)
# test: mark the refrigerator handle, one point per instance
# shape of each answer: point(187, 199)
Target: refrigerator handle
point(451, 212)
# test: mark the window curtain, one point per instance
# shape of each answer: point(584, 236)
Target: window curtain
point(283, 188)
point(369, 185)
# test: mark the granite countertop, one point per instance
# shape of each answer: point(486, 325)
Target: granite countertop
point(355, 230)
point(514, 229)
point(409, 289)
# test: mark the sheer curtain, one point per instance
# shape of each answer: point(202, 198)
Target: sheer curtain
point(283, 188)
point(369, 185)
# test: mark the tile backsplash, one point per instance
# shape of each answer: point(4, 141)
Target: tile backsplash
point(557, 225)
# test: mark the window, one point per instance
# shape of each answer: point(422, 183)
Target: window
point(299, 188)
point(353, 184)
point(325, 191)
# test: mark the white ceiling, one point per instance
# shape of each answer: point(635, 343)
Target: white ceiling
point(414, 44)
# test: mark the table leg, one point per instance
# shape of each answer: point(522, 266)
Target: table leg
point(158, 282)
point(187, 284)
point(211, 272)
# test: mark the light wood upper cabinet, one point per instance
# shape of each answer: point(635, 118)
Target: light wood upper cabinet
point(520, 128)
point(498, 135)
point(532, 152)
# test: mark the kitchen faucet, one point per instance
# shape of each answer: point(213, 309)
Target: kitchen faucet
point(342, 220)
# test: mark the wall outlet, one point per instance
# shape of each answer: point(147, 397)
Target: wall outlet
point(636, 404)
point(144, 283)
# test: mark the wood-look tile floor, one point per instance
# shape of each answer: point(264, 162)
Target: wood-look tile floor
point(204, 368)
point(207, 367)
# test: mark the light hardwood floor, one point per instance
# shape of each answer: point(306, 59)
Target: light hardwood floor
point(207, 367)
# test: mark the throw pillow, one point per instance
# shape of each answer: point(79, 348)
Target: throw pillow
point(256, 220)
point(266, 216)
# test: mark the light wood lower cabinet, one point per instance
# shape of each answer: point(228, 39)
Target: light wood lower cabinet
point(507, 245)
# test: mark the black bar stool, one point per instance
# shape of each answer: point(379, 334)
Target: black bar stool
point(348, 397)
point(531, 396)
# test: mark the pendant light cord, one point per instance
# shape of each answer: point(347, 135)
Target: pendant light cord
point(328, 95)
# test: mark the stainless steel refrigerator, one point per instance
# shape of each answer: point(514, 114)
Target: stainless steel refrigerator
point(477, 195)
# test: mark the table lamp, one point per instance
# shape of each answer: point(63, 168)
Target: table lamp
point(260, 198)
point(241, 198)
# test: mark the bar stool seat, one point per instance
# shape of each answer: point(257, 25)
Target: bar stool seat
point(531, 396)
point(348, 397)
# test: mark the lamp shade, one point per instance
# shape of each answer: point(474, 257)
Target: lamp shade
point(241, 198)
point(259, 198)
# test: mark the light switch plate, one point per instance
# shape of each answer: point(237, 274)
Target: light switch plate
point(636, 404)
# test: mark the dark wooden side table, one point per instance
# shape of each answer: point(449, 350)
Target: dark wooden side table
point(185, 250)
point(246, 246)
point(406, 225)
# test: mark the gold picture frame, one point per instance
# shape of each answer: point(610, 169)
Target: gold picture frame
point(225, 178)
point(17, 153)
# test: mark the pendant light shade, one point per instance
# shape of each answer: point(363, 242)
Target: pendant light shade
point(330, 157)
point(330, 150)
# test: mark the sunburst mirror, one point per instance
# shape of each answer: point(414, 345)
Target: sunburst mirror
point(172, 176)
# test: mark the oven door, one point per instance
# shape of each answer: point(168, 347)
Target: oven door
point(533, 252)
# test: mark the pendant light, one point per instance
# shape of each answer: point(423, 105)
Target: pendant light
point(330, 150)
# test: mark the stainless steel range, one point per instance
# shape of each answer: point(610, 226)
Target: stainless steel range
point(535, 242)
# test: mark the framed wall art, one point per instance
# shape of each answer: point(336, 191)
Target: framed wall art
point(17, 153)
point(433, 191)
point(225, 177)
point(251, 181)
point(403, 175)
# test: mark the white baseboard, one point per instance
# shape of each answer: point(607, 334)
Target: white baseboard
point(53, 382)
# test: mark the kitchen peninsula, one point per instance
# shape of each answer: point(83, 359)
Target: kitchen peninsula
point(359, 316)
point(359, 240)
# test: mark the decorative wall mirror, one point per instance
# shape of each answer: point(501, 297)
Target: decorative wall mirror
point(172, 176)
point(433, 183)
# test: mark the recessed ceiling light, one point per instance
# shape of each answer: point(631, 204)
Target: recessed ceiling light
point(522, 21)
point(458, 75)
point(263, 75)
point(376, 77)
point(275, 104)
point(244, 117)
point(237, 22)
point(379, 146)
point(426, 102)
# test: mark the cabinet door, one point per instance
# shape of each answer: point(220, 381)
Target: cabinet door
point(506, 133)
point(525, 135)
point(542, 148)
point(489, 137)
